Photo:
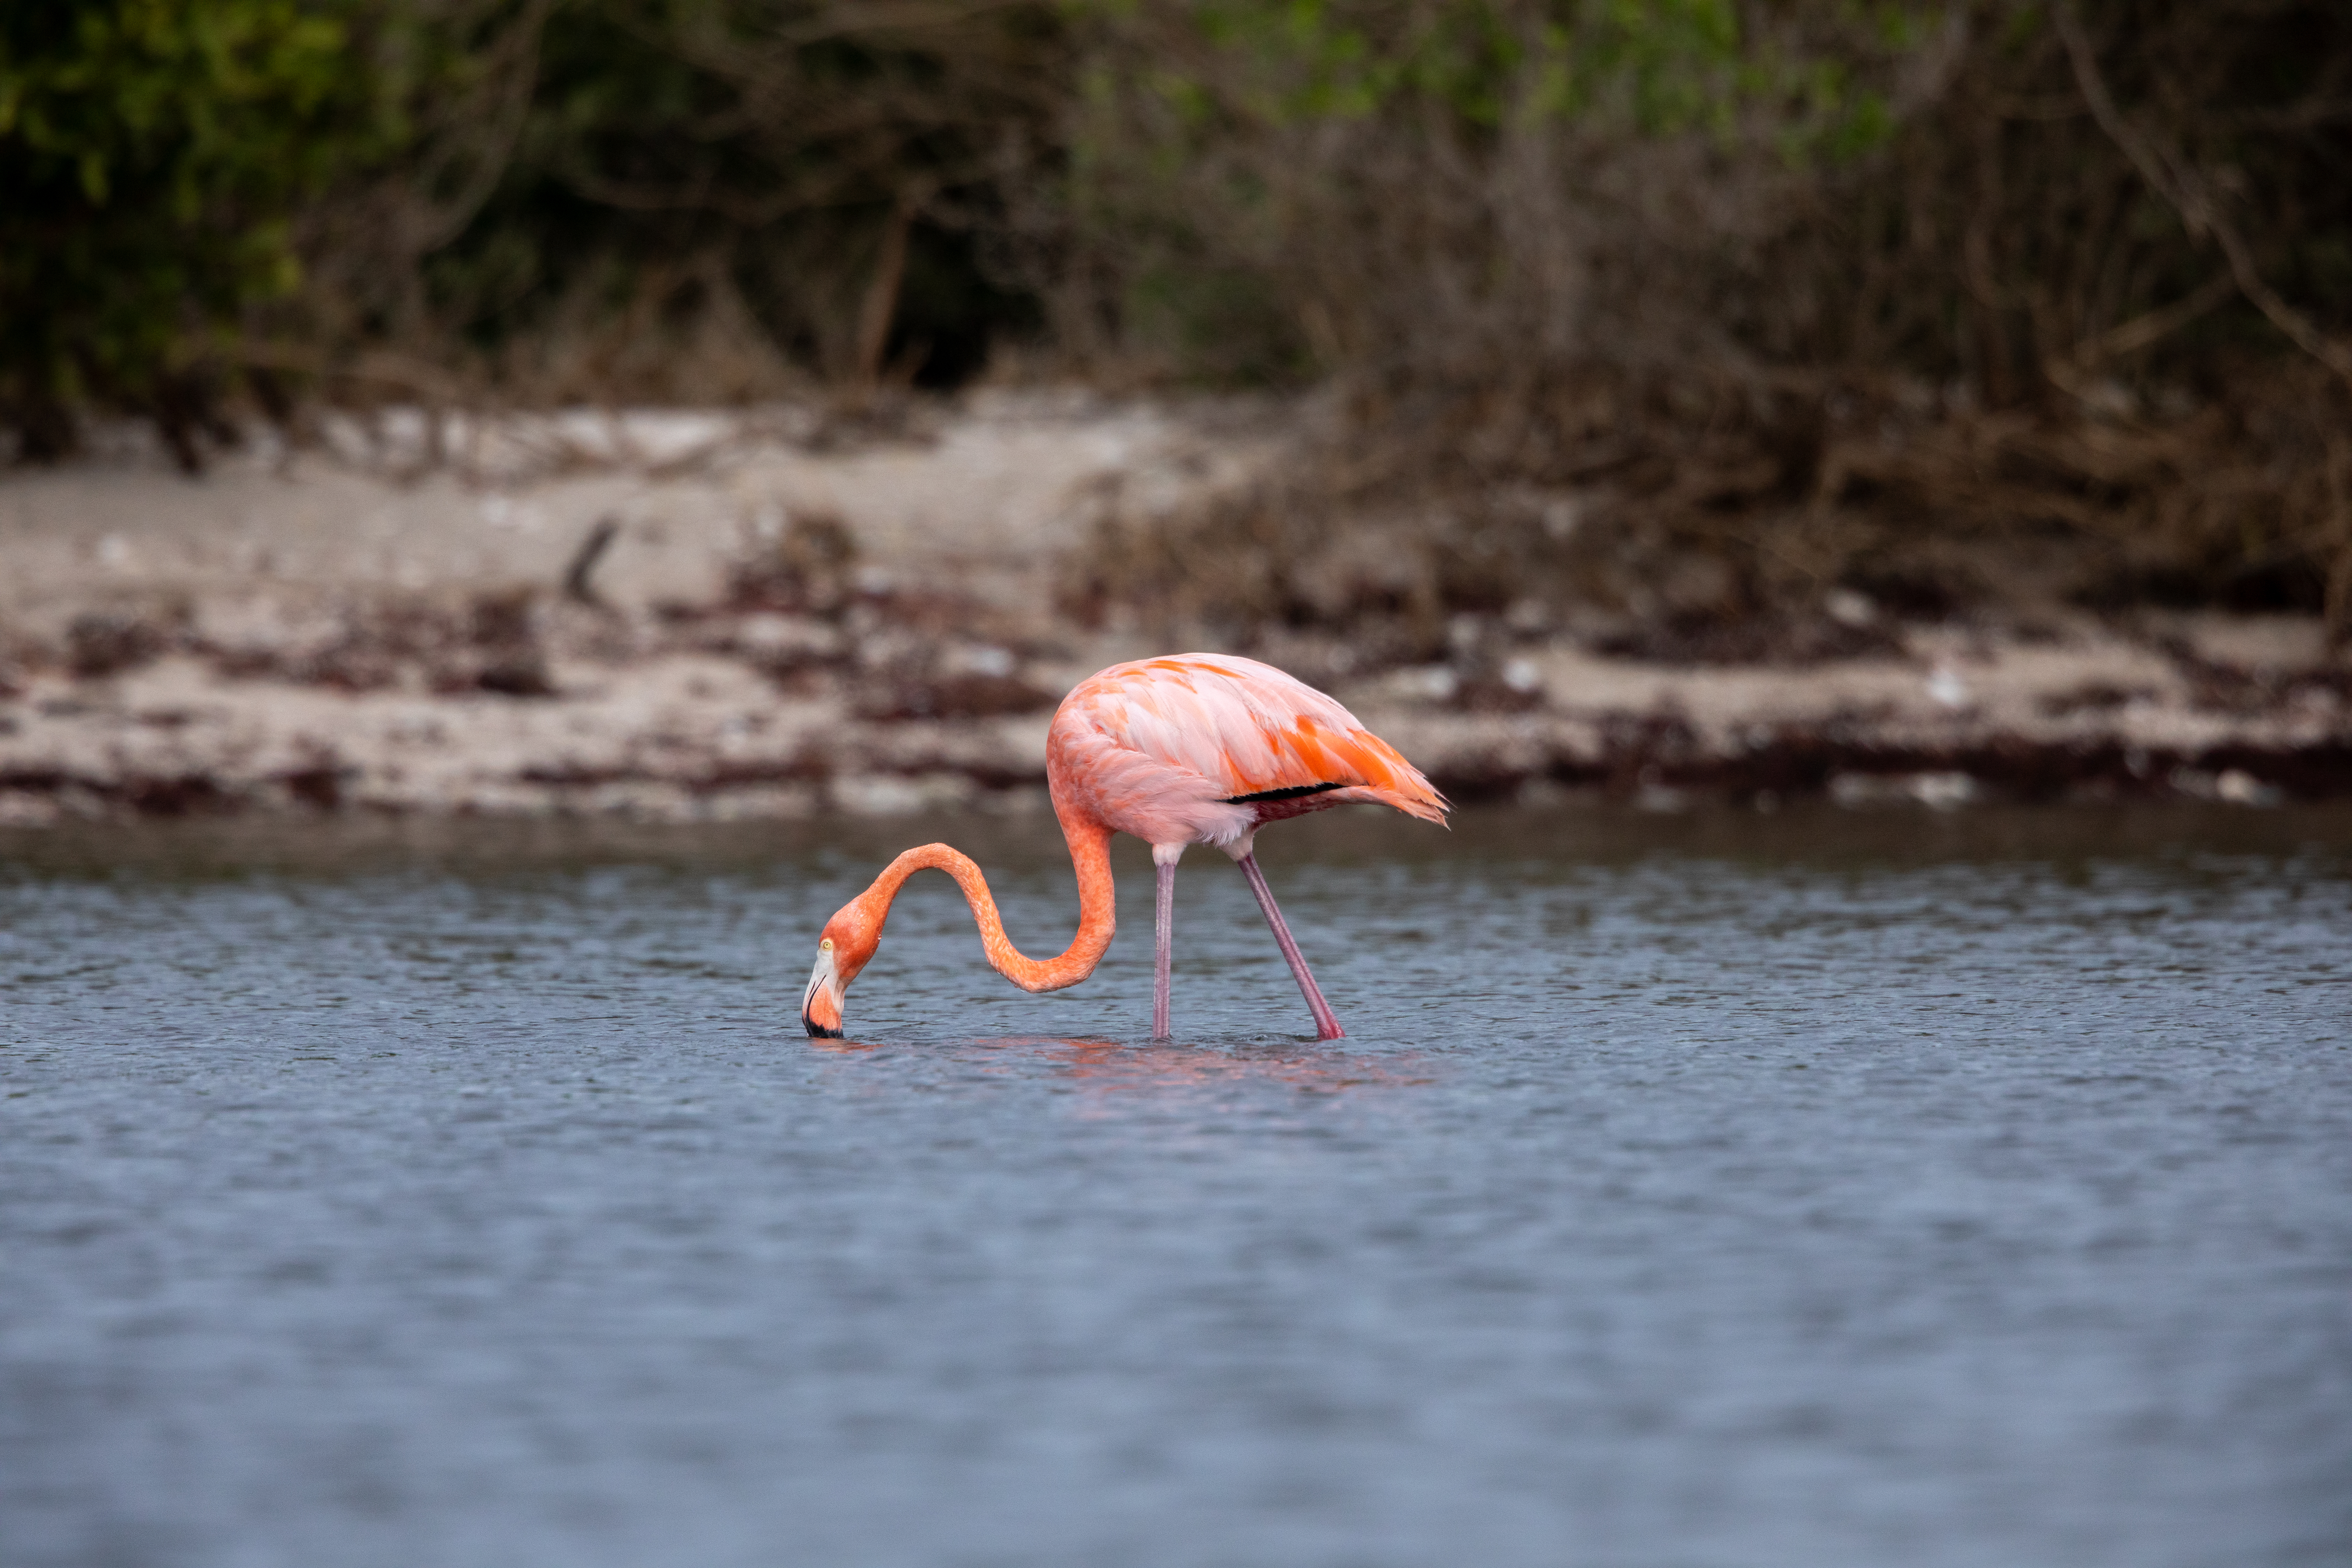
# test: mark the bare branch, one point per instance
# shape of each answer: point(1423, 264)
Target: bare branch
point(2140, 331)
point(486, 140)
point(2184, 190)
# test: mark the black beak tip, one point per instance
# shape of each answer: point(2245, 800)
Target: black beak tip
point(818, 1031)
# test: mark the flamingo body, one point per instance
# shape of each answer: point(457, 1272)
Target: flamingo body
point(1202, 748)
point(1195, 748)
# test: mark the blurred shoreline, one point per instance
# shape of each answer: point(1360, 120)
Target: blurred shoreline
point(865, 609)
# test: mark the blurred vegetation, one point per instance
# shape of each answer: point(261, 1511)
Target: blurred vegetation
point(1702, 313)
point(152, 158)
point(1826, 293)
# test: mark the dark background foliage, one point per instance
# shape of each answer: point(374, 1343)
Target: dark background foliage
point(1832, 292)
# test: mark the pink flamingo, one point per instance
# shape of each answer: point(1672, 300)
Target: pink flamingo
point(1196, 748)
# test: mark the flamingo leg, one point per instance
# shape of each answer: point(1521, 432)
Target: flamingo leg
point(1163, 930)
point(1327, 1022)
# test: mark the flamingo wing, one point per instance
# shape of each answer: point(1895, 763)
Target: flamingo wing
point(1200, 748)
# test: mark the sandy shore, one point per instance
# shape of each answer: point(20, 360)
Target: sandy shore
point(383, 623)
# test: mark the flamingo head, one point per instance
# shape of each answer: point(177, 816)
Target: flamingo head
point(849, 940)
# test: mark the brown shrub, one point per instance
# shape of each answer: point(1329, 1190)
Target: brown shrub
point(2068, 328)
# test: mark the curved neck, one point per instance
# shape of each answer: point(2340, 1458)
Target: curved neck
point(1089, 852)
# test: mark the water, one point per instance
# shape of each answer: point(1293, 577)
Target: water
point(1812, 1191)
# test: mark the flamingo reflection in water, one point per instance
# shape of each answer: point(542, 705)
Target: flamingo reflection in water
point(1110, 1067)
point(1195, 748)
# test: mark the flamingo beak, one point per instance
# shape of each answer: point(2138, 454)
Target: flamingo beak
point(820, 1002)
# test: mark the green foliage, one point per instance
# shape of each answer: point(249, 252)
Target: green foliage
point(538, 194)
point(153, 155)
point(674, 149)
point(1235, 154)
point(1664, 66)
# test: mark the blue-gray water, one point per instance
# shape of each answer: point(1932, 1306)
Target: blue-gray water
point(1721, 1191)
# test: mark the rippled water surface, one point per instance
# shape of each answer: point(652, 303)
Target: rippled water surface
point(1808, 1191)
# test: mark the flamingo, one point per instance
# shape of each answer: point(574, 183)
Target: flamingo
point(1195, 748)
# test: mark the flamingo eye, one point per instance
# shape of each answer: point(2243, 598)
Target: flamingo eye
point(825, 946)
